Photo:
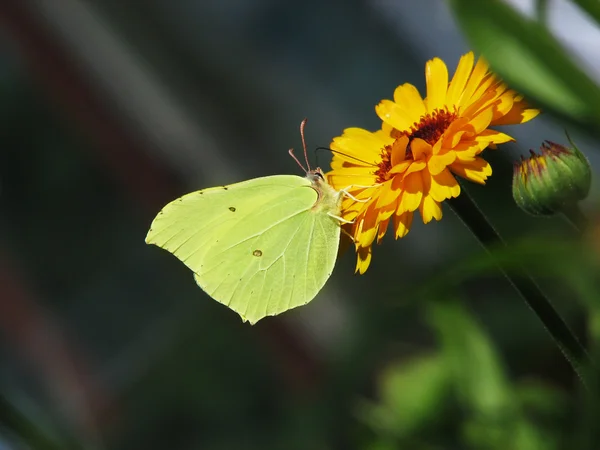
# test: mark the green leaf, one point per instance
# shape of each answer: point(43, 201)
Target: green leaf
point(530, 60)
point(412, 394)
point(494, 417)
point(592, 7)
point(477, 372)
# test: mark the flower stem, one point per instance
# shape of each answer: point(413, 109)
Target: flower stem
point(575, 217)
point(470, 214)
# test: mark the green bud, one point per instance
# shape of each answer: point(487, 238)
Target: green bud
point(555, 179)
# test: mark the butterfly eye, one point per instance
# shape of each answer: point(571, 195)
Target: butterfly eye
point(320, 175)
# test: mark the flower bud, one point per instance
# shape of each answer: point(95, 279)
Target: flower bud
point(551, 181)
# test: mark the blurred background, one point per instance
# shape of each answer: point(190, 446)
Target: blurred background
point(110, 109)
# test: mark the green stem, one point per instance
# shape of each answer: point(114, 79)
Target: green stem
point(575, 217)
point(466, 209)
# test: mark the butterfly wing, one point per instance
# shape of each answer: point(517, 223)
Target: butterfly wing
point(259, 247)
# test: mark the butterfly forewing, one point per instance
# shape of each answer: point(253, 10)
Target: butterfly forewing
point(260, 246)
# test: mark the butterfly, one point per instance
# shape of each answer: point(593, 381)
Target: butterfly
point(261, 246)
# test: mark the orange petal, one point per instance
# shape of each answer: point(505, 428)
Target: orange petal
point(399, 150)
point(382, 229)
point(436, 76)
point(420, 149)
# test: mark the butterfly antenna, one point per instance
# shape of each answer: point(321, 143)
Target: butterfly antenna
point(302, 125)
point(347, 156)
point(291, 152)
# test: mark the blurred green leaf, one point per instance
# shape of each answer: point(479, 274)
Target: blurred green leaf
point(530, 60)
point(494, 417)
point(592, 7)
point(541, 399)
point(412, 395)
point(471, 359)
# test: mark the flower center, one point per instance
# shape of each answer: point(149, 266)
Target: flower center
point(430, 128)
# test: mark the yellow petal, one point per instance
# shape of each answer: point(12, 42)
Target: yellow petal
point(415, 166)
point(402, 223)
point(412, 192)
point(479, 72)
point(401, 167)
point(454, 132)
point(478, 104)
point(430, 209)
point(394, 114)
point(363, 259)
point(476, 171)
point(519, 113)
point(436, 76)
point(488, 83)
point(438, 163)
point(384, 214)
point(482, 120)
point(357, 145)
point(503, 105)
point(467, 152)
point(389, 192)
point(493, 136)
point(407, 96)
point(345, 182)
point(459, 80)
point(444, 186)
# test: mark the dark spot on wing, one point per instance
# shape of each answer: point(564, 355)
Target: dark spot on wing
point(225, 187)
point(232, 209)
point(257, 252)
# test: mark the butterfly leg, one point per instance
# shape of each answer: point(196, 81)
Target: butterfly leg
point(340, 219)
point(349, 195)
point(348, 234)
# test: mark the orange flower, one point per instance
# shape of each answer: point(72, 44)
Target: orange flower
point(410, 163)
